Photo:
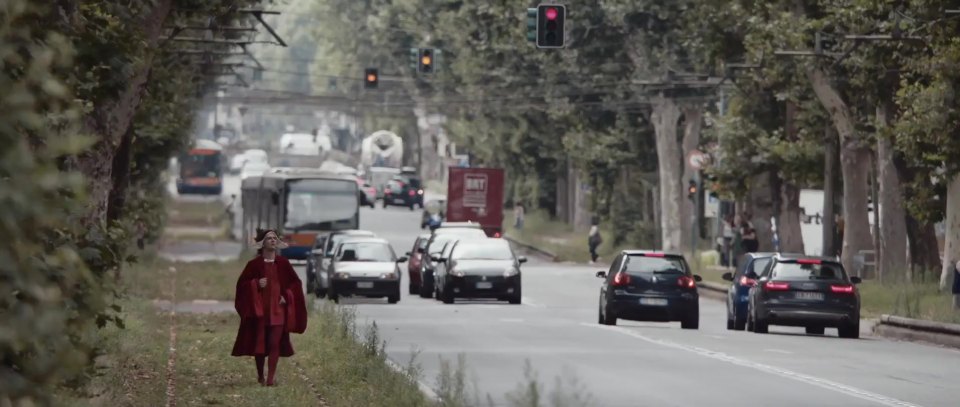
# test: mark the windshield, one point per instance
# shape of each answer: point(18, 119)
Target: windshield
point(339, 238)
point(493, 249)
point(644, 264)
point(436, 247)
point(796, 271)
point(320, 204)
point(200, 165)
point(365, 251)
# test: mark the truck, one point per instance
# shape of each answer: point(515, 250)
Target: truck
point(382, 149)
point(476, 195)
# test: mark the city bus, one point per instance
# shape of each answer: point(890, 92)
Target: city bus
point(201, 169)
point(299, 203)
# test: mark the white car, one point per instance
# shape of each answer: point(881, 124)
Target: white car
point(253, 169)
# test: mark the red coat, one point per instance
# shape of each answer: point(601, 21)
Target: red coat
point(251, 335)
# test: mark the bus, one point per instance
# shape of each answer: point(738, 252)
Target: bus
point(201, 169)
point(299, 203)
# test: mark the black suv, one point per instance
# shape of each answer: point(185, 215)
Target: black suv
point(404, 190)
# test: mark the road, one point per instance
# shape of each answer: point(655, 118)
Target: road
point(632, 364)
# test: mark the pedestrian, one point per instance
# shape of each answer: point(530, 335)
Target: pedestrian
point(749, 235)
point(728, 236)
point(518, 213)
point(141, 233)
point(594, 241)
point(270, 302)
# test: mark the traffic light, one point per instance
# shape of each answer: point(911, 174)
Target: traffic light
point(414, 58)
point(550, 21)
point(692, 190)
point(371, 78)
point(426, 61)
point(532, 25)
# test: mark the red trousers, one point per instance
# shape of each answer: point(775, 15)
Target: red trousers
point(273, 335)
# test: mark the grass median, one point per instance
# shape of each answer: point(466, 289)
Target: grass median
point(557, 237)
point(337, 360)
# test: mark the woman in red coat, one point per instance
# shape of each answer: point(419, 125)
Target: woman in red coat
point(271, 305)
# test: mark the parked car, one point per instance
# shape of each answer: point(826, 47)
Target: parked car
point(645, 285)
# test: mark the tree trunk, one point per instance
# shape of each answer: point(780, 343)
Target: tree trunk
point(924, 249)
point(110, 120)
point(854, 166)
point(829, 222)
point(761, 207)
point(788, 221)
point(951, 241)
point(692, 123)
point(893, 227)
point(665, 117)
point(121, 177)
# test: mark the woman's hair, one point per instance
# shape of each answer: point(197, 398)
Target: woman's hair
point(262, 234)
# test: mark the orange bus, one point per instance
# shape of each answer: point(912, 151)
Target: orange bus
point(201, 169)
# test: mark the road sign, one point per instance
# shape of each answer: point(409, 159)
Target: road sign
point(696, 159)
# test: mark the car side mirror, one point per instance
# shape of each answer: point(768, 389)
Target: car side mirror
point(697, 278)
point(521, 259)
point(601, 274)
point(409, 254)
point(402, 259)
point(317, 252)
point(419, 250)
point(856, 280)
point(763, 279)
point(727, 276)
point(436, 259)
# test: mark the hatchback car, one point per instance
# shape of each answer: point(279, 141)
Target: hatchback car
point(811, 292)
point(438, 238)
point(403, 192)
point(314, 258)
point(479, 268)
point(649, 286)
point(415, 257)
point(751, 265)
point(368, 267)
point(322, 267)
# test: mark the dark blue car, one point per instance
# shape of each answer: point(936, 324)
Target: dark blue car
point(751, 266)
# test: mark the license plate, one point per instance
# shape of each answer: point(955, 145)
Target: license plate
point(484, 285)
point(364, 284)
point(808, 296)
point(399, 201)
point(653, 301)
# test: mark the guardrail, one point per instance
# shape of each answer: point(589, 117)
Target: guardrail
point(713, 287)
point(939, 333)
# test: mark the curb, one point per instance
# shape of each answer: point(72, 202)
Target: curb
point(937, 333)
point(550, 256)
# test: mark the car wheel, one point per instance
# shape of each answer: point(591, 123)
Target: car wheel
point(760, 326)
point(412, 207)
point(447, 296)
point(730, 324)
point(691, 320)
point(739, 323)
point(384, 203)
point(393, 299)
point(515, 300)
point(413, 289)
point(850, 331)
point(426, 291)
point(335, 298)
point(609, 318)
point(815, 330)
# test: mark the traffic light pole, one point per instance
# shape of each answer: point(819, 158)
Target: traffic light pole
point(694, 220)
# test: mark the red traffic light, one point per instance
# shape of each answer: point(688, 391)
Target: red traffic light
point(551, 13)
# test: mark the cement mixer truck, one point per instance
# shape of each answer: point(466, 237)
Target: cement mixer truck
point(381, 155)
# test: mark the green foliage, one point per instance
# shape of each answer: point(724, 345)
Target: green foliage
point(50, 300)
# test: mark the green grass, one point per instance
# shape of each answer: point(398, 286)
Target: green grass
point(191, 213)
point(921, 300)
point(558, 237)
point(208, 280)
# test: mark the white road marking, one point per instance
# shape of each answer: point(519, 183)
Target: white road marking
point(528, 301)
point(824, 383)
point(716, 337)
point(785, 352)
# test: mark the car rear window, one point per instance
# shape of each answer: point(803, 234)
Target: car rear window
point(486, 249)
point(422, 243)
point(647, 264)
point(338, 238)
point(797, 271)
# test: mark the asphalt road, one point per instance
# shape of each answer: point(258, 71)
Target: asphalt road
point(651, 364)
point(643, 364)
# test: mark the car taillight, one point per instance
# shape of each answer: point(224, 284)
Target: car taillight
point(776, 286)
point(386, 191)
point(842, 289)
point(621, 279)
point(749, 282)
point(412, 192)
point(653, 254)
point(497, 234)
point(809, 261)
point(686, 282)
